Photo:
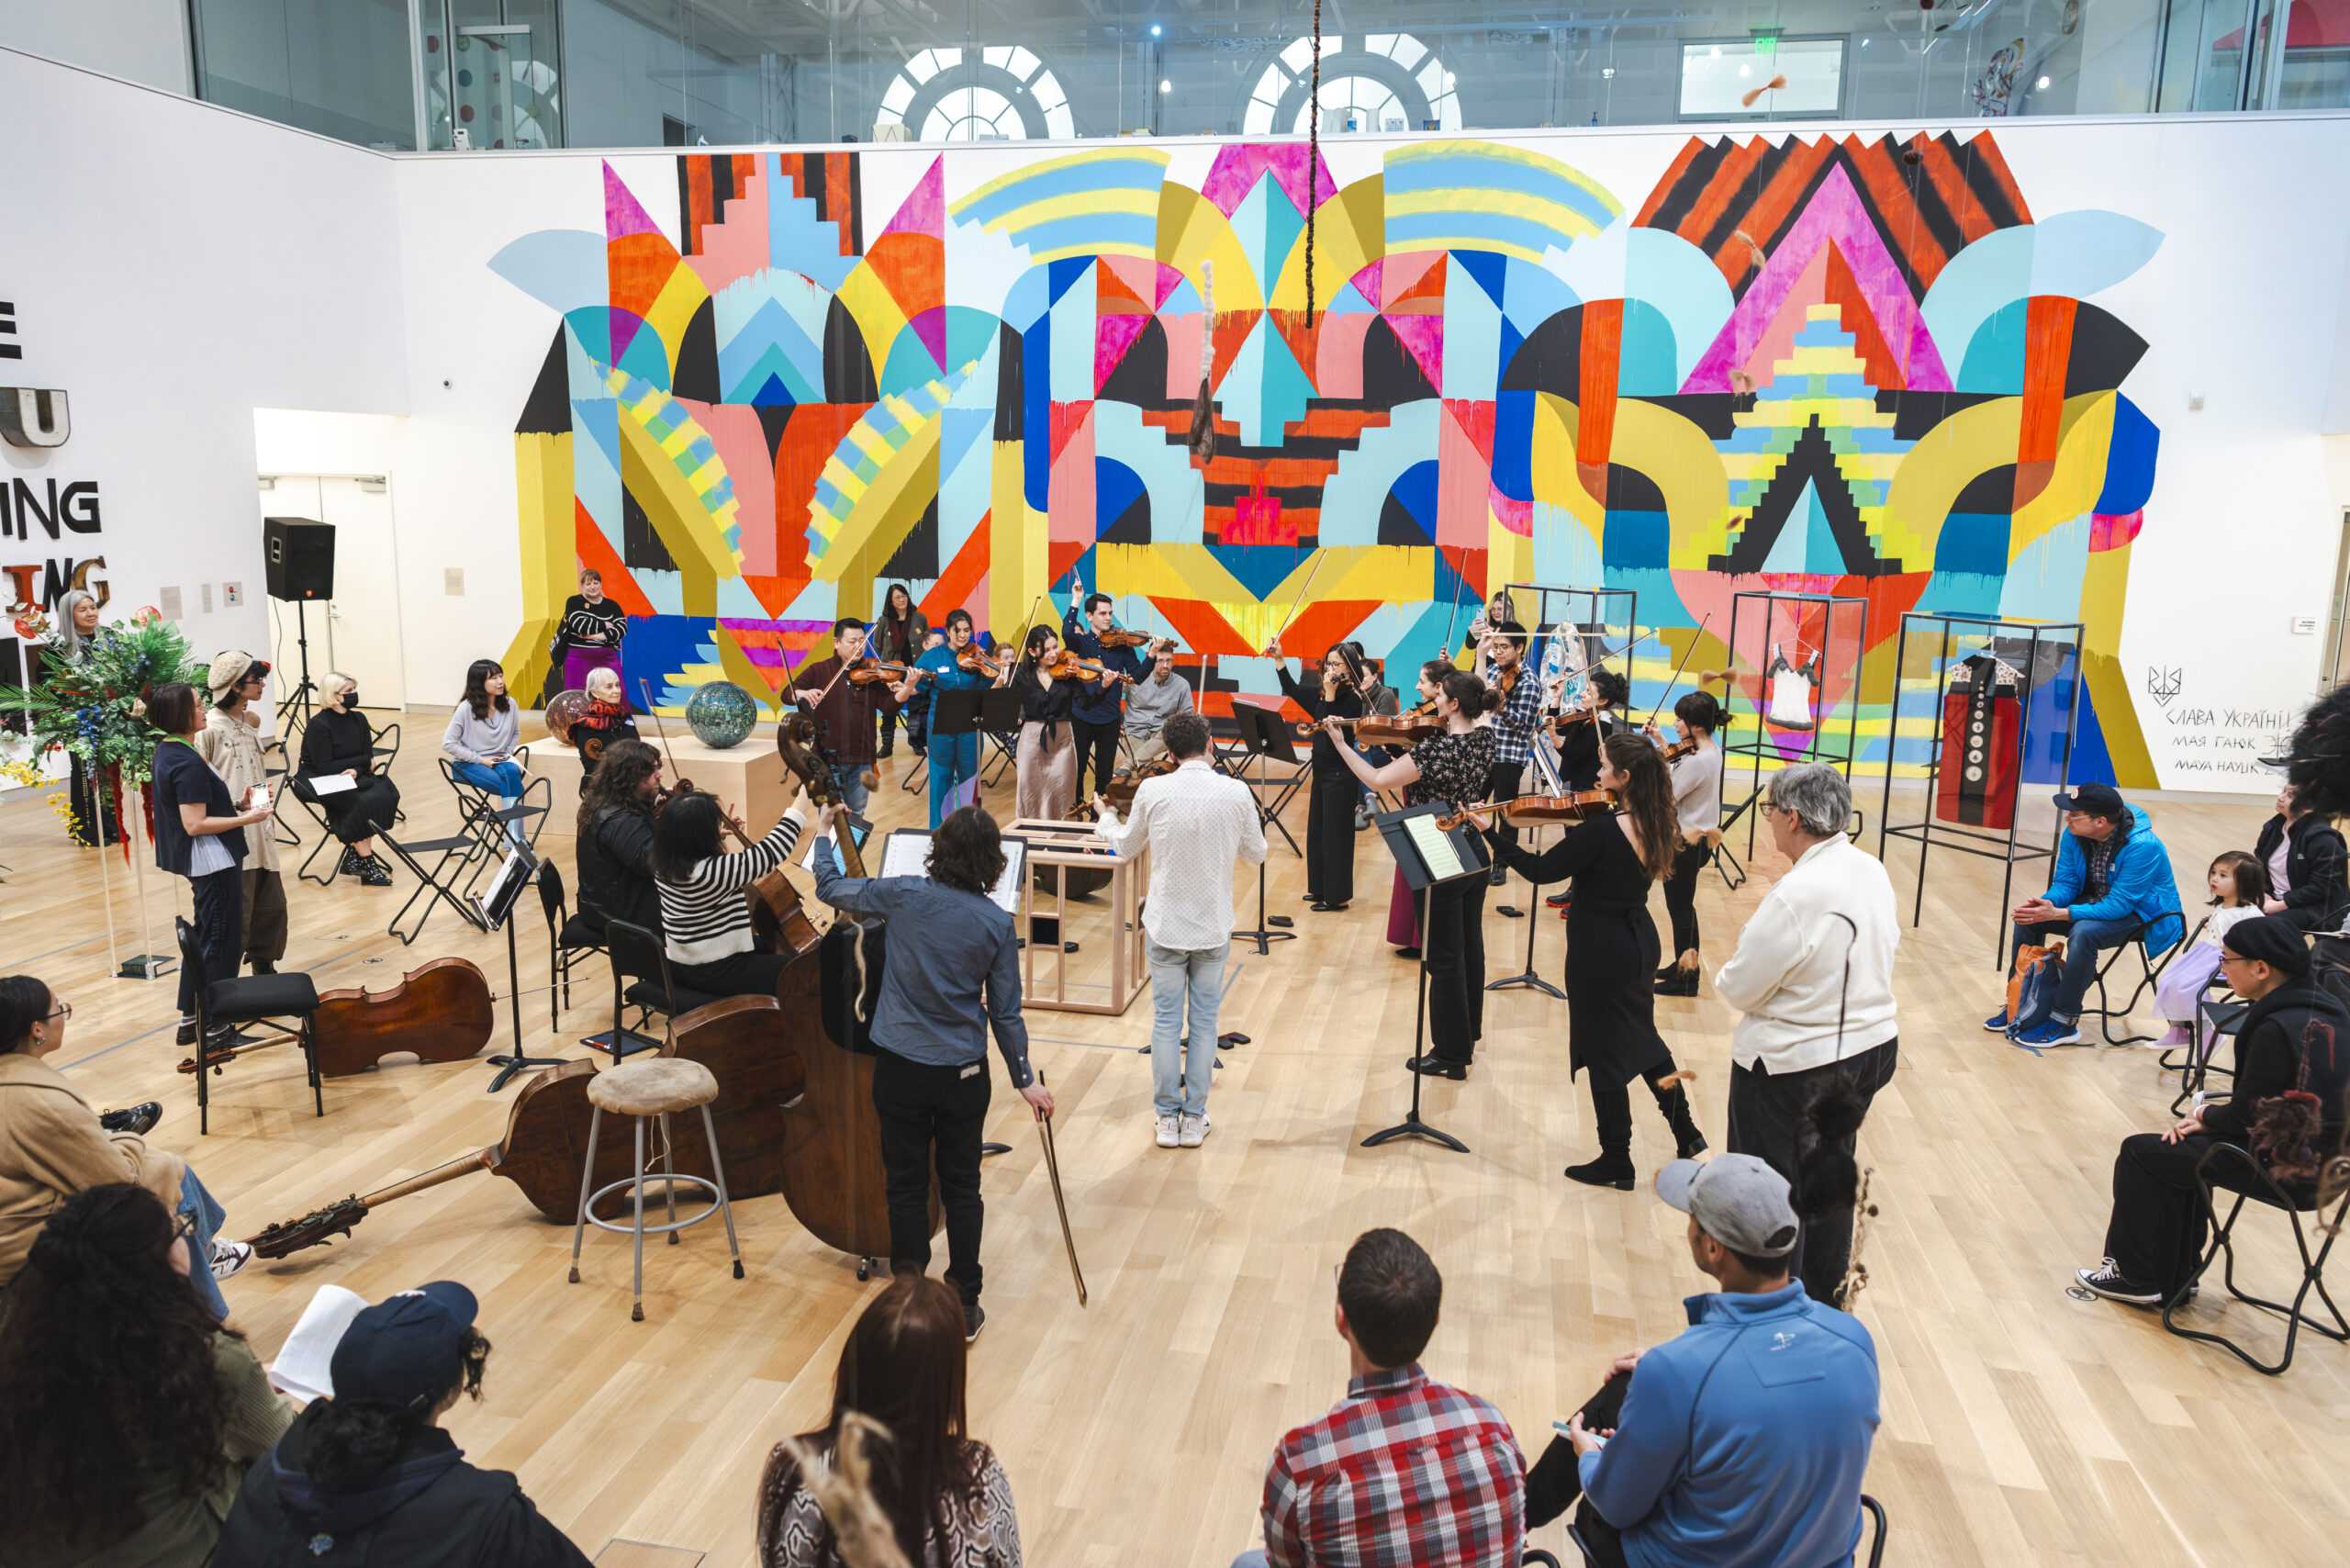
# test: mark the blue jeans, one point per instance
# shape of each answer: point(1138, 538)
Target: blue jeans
point(1250, 1559)
point(1180, 1074)
point(201, 1207)
point(505, 782)
point(954, 774)
point(850, 777)
point(2086, 942)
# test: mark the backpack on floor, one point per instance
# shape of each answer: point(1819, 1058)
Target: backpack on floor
point(2032, 986)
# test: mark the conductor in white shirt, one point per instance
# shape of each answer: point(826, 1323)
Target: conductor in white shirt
point(1197, 822)
point(1813, 975)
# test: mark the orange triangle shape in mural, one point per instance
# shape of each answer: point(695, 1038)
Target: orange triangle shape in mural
point(1068, 420)
point(1232, 329)
point(1117, 292)
point(1854, 314)
point(775, 594)
point(1303, 342)
point(913, 267)
point(638, 267)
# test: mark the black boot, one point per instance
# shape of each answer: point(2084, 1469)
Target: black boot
point(1676, 981)
point(1611, 1114)
point(1688, 1142)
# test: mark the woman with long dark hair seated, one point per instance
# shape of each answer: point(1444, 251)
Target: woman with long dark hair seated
point(369, 1477)
point(338, 742)
point(946, 1495)
point(615, 839)
point(53, 1145)
point(485, 732)
point(705, 925)
point(128, 1412)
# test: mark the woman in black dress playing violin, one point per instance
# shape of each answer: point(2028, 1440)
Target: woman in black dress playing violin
point(1612, 952)
point(1330, 805)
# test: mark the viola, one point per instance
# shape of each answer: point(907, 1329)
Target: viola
point(440, 1012)
point(743, 1040)
point(1534, 810)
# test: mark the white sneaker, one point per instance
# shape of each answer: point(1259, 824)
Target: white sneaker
point(229, 1257)
point(1195, 1130)
point(1169, 1130)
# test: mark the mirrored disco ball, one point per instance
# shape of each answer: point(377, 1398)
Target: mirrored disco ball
point(720, 714)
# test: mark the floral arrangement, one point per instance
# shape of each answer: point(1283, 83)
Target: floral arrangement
point(88, 702)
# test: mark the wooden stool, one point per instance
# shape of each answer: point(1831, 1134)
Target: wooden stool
point(642, 1089)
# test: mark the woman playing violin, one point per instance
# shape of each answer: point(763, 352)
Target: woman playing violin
point(899, 635)
point(1330, 804)
point(1452, 766)
point(1611, 942)
point(954, 759)
point(1047, 753)
point(1697, 806)
point(1604, 696)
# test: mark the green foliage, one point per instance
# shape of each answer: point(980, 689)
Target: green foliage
point(83, 702)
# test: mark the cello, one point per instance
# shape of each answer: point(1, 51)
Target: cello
point(741, 1039)
point(440, 1013)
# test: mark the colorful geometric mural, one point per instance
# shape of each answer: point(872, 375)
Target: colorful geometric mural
point(1837, 365)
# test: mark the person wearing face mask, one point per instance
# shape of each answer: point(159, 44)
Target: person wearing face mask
point(339, 742)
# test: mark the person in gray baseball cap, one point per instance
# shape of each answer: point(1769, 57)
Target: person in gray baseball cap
point(1742, 1443)
point(368, 1475)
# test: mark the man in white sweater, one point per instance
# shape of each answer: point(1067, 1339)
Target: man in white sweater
point(1813, 974)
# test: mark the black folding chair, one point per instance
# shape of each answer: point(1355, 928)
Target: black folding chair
point(435, 886)
point(642, 979)
point(487, 821)
point(302, 790)
point(244, 999)
point(1869, 1505)
point(2151, 967)
point(2270, 1192)
point(570, 936)
point(272, 776)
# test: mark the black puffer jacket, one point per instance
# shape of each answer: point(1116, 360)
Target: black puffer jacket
point(2299, 1019)
point(429, 1508)
point(2315, 870)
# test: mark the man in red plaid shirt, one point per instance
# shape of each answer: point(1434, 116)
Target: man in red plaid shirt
point(1405, 1473)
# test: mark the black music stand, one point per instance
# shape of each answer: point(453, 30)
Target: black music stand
point(1265, 735)
point(1545, 781)
point(1469, 850)
point(1000, 722)
point(492, 910)
point(1252, 722)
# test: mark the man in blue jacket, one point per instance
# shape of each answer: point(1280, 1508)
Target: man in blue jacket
point(2112, 880)
point(1744, 1442)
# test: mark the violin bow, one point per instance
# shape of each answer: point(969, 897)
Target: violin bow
point(1319, 556)
point(725, 822)
point(1053, 1170)
point(1685, 653)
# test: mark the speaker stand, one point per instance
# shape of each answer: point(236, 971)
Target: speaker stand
point(297, 702)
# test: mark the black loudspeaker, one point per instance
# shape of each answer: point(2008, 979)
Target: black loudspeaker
point(300, 558)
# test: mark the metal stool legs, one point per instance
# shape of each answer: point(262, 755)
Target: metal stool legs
point(669, 1177)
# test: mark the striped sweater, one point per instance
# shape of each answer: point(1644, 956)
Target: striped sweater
point(703, 918)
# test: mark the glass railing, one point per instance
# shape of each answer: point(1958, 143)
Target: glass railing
point(526, 73)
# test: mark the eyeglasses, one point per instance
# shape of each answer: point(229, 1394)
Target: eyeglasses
point(184, 1225)
point(65, 1009)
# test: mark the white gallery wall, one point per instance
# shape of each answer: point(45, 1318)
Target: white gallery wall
point(192, 265)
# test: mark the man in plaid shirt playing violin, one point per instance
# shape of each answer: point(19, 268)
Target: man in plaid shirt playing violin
point(1406, 1471)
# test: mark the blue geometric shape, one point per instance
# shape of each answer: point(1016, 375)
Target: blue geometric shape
point(1417, 490)
point(2128, 460)
point(1994, 355)
point(1115, 486)
point(1490, 268)
point(1974, 543)
point(1060, 274)
point(2075, 254)
point(1258, 568)
point(1646, 364)
point(1636, 539)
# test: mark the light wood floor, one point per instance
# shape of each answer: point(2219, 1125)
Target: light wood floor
point(2019, 1425)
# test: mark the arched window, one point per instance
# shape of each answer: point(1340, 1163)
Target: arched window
point(983, 95)
point(1377, 81)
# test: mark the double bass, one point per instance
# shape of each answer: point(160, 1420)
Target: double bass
point(738, 1039)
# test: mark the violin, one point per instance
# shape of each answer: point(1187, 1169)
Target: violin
point(873, 672)
point(1066, 665)
point(1676, 751)
point(440, 1012)
point(1405, 729)
point(742, 1040)
point(1119, 637)
point(974, 660)
point(1534, 810)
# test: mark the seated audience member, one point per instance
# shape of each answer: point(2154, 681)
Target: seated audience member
point(1403, 1470)
point(128, 1413)
point(615, 839)
point(608, 719)
point(2287, 1051)
point(369, 1477)
point(2306, 862)
point(1742, 1442)
point(338, 741)
point(944, 1493)
point(2112, 879)
point(2238, 885)
point(705, 925)
point(483, 734)
point(1152, 700)
point(53, 1146)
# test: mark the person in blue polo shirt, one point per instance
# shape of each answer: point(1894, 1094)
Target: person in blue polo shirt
point(1744, 1442)
point(2112, 880)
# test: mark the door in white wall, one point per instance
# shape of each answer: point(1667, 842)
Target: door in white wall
point(356, 632)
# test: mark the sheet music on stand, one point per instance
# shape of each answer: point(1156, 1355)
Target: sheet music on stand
point(906, 853)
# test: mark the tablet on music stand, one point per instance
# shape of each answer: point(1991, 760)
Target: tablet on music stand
point(905, 852)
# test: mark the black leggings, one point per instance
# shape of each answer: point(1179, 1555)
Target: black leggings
point(1680, 896)
point(1611, 1106)
point(1455, 943)
point(1098, 744)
